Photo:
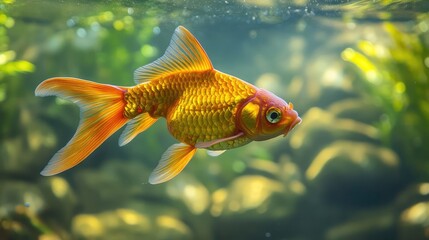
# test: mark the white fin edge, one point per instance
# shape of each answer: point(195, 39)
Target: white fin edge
point(213, 153)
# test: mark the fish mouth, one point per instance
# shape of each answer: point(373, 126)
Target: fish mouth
point(295, 122)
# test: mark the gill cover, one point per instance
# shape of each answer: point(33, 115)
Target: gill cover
point(249, 117)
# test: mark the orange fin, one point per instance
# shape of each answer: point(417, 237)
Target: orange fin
point(184, 54)
point(172, 162)
point(136, 126)
point(216, 141)
point(101, 114)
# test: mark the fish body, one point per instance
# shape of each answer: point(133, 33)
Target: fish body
point(199, 107)
point(204, 108)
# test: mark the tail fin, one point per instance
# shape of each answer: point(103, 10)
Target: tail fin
point(101, 115)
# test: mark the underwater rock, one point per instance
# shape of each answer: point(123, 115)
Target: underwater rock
point(372, 225)
point(253, 197)
point(113, 185)
point(36, 210)
point(357, 109)
point(21, 203)
point(60, 199)
point(20, 193)
point(414, 222)
point(345, 171)
point(412, 194)
point(23, 154)
point(285, 171)
point(192, 193)
point(320, 127)
point(128, 224)
point(262, 167)
point(25, 224)
point(413, 219)
point(261, 203)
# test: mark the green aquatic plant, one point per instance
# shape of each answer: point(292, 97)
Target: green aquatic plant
point(11, 69)
point(108, 46)
point(23, 224)
point(395, 77)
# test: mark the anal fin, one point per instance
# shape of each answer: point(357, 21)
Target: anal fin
point(172, 162)
point(136, 126)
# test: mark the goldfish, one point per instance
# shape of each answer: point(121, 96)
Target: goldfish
point(203, 107)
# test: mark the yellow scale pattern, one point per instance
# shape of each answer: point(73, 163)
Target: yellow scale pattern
point(198, 106)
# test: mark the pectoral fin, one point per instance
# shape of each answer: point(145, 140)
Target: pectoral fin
point(172, 162)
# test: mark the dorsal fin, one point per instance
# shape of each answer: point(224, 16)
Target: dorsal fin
point(183, 54)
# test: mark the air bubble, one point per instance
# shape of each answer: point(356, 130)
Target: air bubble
point(130, 11)
point(156, 30)
point(81, 32)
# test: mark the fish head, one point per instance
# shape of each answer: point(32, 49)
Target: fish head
point(266, 116)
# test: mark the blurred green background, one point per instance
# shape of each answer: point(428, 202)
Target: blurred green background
point(356, 168)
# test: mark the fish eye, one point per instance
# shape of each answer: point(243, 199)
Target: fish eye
point(273, 115)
